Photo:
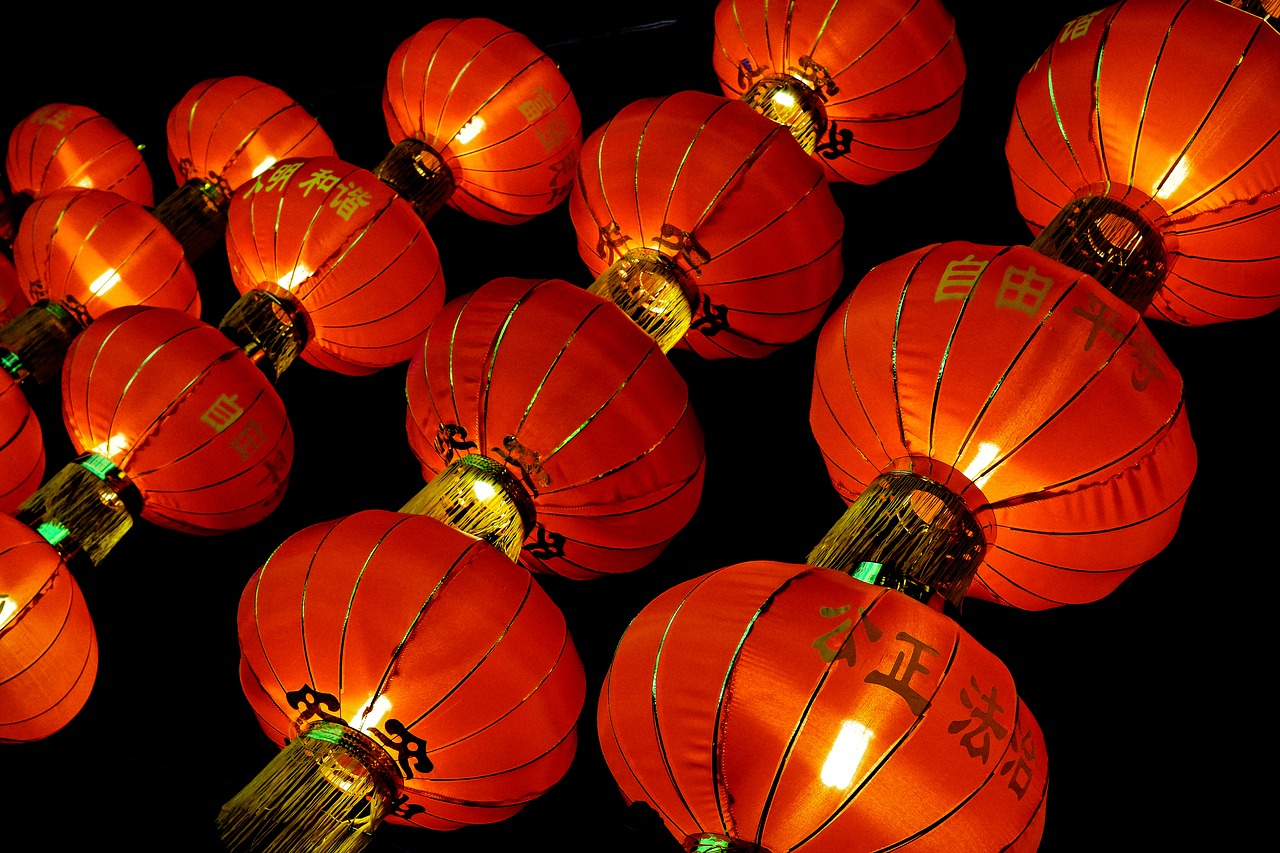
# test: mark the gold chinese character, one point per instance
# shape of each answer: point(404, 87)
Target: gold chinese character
point(1076, 28)
point(321, 179)
point(223, 413)
point(1023, 289)
point(959, 279)
point(349, 198)
point(536, 106)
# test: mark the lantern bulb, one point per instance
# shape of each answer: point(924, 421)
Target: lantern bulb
point(479, 496)
point(7, 609)
point(1174, 180)
point(846, 755)
point(267, 163)
point(987, 452)
point(470, 130)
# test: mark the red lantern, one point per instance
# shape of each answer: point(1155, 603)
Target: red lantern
point(871, 87)
point(186, 417)
point(92, 250)
point(1134, 104)
point(223, 132)
point(13, 299)
point(583, 409)
point(482, 104)
point(773, 707)
point(727, 197)
point(22, 458)
point(1042, 388)
point(329, 241)
point(48, 647)
point(65, 145)
point(415, 673)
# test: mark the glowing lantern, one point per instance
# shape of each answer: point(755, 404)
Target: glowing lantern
point(701, 196)
point(22, 457)
point(771, 707)
point(223, 132)
point(582, 413)
point(1046, 391)
point(65, 145)
point(48, 647)
point(416, 675)
point(332, 265)
point(870, 88)
point(174, 424)
point(1164, 148)
point(90, 251)
point(481, 119)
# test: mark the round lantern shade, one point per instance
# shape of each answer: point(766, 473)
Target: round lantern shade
point(733, 198)
point(1179, 127)
point(226, 130)
point(1045, 390)
point(890, 72)
point(494, 107)
point(427, 640)
point(188, 418)
point(65, 145)
point(335, 241)
point(582, 407)
point(795, 708)
point(22, 457)
point(92, 250)
point(48, 647)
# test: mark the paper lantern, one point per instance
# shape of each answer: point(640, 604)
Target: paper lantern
point(727, 200)
point(66, 145)
point(1163, 110)
point(346, 261)
point(481, 119)
point(414, 672)
point(170, 405)
point(22, 457)
point(1040, 387)
point(48, 647)
point(224, 131)
point(590, 420)
point(870, 88)
point(91, 251)
point(773, 707)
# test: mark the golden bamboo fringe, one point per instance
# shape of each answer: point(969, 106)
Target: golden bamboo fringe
point(419, 175)
point(479, 496)
point(196, 215)
point(267, 328)
point(712, 843)
point(917, 527)
point(792, 103)
point(649, 288)
point(1111, 242)
point(37, 341)
point(315, 796)
point(79, 510)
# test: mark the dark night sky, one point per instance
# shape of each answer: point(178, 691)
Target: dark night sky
point(1145, 698)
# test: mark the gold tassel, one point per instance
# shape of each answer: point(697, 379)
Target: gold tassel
point(650, 289)
point(478, 496)
point(326, 792)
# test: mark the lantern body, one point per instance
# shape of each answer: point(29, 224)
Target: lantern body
point(494, 107)
point(226, 130)
point(92, 251)
point(13, 298)
point(1036, 383)
point(334, 240)
point(187, 417)
point(797, 708)
point(582, 407)
point(22, 457)
point(733, 198)
point(412, 626)
point(896, 67)
point(48, 647)
point(1178, 126)
point(65, 145)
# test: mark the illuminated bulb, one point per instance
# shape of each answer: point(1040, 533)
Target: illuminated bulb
point(986, 452)
point(267, 163)
point(482, 490)
point(113, 446)
point(294, 277)
point(846, 754)
point(104, 282)
point(1170, 184)
point(470, 130)
point(784, 99)
point(374, 711)
point(7, 609)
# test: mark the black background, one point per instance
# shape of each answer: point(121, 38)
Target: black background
point(1150, 700)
